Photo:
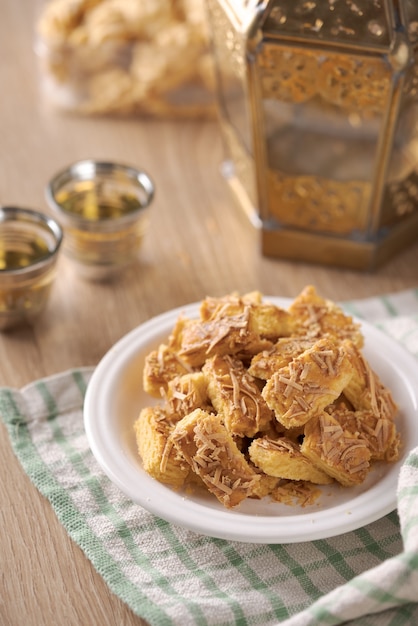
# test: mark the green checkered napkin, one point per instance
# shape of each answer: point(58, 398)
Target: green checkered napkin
point(172, 576)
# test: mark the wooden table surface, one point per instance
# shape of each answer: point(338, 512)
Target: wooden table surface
point(198, 243)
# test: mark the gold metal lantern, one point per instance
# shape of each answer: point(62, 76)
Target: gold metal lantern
point(318, 106)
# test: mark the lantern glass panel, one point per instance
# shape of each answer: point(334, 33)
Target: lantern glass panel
point(322, 113)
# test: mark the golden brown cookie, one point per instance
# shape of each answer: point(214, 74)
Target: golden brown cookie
point(160, 461)
point(236, 396)
point(317, 316)
point(309, 383)
point(161, 366)
point(264, 364)
point(266, 319)
point(211, 452)
point(365, 390)
point(265, 486)
point(227, 333)
point(379, 433)
point(282, 458)
point(186, 393)
point(343, 455)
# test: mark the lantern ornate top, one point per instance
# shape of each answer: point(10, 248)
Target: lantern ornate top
point(368, 23)
point(351, 21)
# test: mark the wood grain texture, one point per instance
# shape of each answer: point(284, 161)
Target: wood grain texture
point(198, 243)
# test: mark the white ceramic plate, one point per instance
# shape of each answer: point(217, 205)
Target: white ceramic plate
point(115, 397)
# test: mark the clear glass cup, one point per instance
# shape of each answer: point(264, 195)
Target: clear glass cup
point(103, 208)
point(29, 246)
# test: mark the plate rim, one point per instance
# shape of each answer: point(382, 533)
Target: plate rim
point(124, 350)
